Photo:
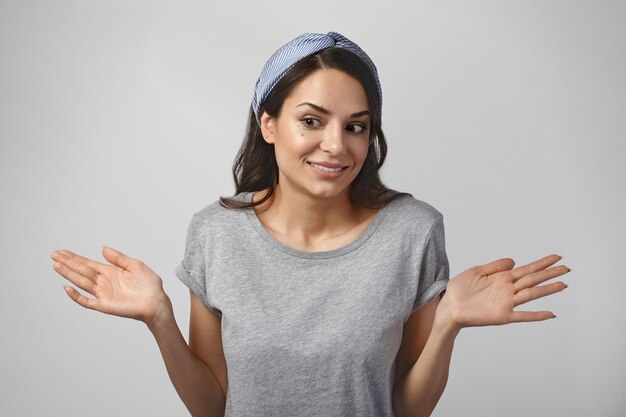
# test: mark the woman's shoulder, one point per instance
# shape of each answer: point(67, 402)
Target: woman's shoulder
point(406, 206)
point(410, 218)
point(215, 211)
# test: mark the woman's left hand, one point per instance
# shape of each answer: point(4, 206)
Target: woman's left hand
point(486, 294)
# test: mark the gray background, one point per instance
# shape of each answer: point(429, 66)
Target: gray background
point(120, 119)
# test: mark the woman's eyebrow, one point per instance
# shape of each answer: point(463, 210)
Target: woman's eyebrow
point(325, 111)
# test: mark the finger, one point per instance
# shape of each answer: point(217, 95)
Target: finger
point(525, 316)
point(503, 264)
point(77, 265)
point(538, 277)
point(534, 293)
point(80, 298)
point(96, 266)
point(74, 277)
point(535, 266)
point(117, 258)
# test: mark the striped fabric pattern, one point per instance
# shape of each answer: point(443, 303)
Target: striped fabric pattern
point(291, 52)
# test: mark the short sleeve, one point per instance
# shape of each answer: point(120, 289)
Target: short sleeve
point(434, 267)
point(192, 268)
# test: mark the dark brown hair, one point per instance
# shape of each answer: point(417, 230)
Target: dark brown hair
point(255, 167)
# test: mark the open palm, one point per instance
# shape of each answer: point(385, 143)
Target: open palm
point(487, 294)
point(127, 288)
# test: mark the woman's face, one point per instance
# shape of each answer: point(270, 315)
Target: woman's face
point(321, 137)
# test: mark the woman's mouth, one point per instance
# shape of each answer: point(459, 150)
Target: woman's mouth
point(327, 172)
point(324, 168)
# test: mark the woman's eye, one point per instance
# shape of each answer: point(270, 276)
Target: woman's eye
point(359, 128)
point(309, 121)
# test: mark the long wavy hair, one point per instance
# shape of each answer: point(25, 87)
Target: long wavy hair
point(255, 166)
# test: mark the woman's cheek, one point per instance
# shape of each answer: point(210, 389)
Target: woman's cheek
point(305, 141)
point(363, 149)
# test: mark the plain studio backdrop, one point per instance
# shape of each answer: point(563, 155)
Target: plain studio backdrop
point(119, 119)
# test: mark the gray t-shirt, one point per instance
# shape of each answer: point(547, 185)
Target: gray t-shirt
point(314, 333)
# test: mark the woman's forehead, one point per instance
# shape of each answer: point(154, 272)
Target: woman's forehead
point(330, 91)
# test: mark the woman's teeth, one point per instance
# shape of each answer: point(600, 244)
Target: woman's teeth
point(323, 168)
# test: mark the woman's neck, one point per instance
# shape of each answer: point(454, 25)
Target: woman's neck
point(305, 221)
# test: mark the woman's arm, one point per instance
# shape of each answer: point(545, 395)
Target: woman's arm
point(483, 295)
point(418, 391)
point(129, 288)
point(195, 383)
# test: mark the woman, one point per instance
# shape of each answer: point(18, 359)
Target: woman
point(315, 290)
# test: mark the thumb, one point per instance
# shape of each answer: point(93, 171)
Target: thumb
point(116, 257)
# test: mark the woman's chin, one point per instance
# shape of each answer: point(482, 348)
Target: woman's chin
point(327, 193)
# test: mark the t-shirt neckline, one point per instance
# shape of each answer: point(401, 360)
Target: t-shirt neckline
point(333, 253)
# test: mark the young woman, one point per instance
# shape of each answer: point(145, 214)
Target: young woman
point(315, 290)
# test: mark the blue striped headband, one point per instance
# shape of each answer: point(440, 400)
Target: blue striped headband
point(293, 51)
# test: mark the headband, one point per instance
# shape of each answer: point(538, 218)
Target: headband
point(296, 49)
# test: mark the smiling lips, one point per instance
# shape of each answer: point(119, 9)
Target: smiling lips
point(324, 166)
point(325, 170)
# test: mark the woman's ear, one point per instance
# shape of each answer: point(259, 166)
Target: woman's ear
point(267, 127)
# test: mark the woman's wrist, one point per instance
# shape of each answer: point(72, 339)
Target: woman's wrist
point(444, 322)
point(163, 315)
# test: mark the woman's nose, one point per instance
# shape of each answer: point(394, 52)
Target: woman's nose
point(333, 140)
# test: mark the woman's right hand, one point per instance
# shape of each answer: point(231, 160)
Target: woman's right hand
point(127, 288)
